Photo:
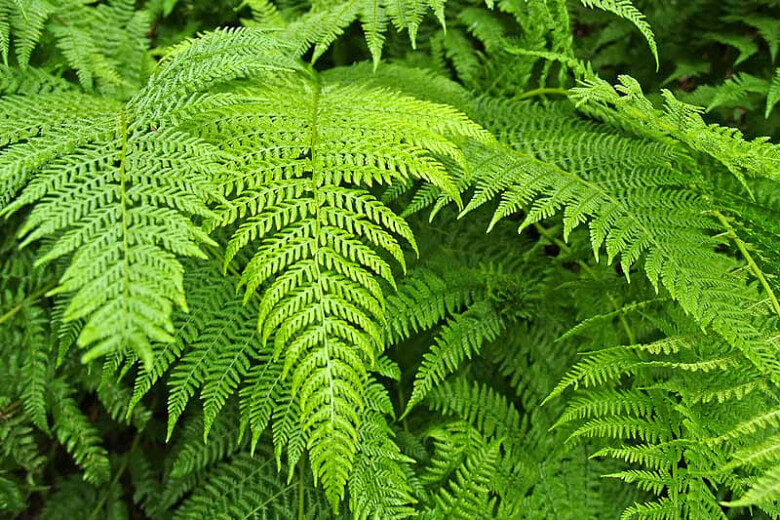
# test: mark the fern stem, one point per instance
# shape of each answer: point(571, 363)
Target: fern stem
point(754, 268)
point(19, 306)
point(320, 291)
point(301, 496)
point(542, 92)
point(123, 192)
point(402, 406)
point(117, 476)
point(565, 247)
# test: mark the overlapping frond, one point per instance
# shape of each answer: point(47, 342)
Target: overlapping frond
point(626, 105)
point(104, 44)
point(217, 347)
point(649, 403)
point(380, 487)
point(117, 188)
point(649, 211)
point(462, 337)
point(246, 486)
point(227, 219)
point(326, 21)
point(738, 90)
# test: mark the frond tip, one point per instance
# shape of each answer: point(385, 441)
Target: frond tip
point(626, 9)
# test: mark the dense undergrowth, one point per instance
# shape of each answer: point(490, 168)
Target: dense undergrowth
point(262, 260)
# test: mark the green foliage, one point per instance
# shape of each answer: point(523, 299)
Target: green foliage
point(103, 44)
point(117, 187)
point(262, 260)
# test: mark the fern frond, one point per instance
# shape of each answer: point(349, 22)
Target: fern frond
point(327, 21)
point(773, 94)
point(104, 44)
point(19, 443)
point(80, 438)
point(735, 89)
point(72, 498)
point(379, 486)
point(652, 214)
point(118, 199)
point(682, 122)
point(218, 348)
point(467, 495)
point(244, 487)
point(485, 409)
point(265, 389)
point(600, 403)
point(462, 337)
point(300, 200)
point(626, 9)
point(764, 489)
point(11, 498)
point(424, 297)
point(31, 80)
point(35, 369)
point(770, 419)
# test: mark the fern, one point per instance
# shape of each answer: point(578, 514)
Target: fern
point(462, 337)
point(742, 158)
point(127, 291)
point(245, 273)
point(625, 9)
point(299, 199)
point(632, 216)
point(104, 44)
point(646, 415)
point(763, 490)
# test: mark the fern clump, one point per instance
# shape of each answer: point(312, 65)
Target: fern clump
point(462, 259)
